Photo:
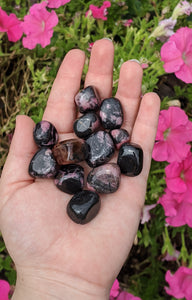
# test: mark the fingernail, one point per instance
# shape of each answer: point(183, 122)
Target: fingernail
point(106, 38)
point(135, 60)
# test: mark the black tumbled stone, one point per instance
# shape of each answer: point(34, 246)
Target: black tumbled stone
point(111, 113)
point(100, 148)
point(130, 159)
point(120, 136)
point(70, 178)
point(87, 99)
point(45, 134)
point(43, 164)
point(86, 125)
point(83, 206)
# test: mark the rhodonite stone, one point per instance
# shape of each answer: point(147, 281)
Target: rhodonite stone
point(83, 207)
point(104, 179)
point(111, 113)
point(45, 134)
point(86, 125)
point(119, 137)
point(43, 164)
point(130, 159)
point(101, 148)
point(87, 99)
point(70, 151)
point(70, 178)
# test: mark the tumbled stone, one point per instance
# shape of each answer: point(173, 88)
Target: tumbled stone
point(43, 164)
point(119, 137)
point(86, 125)
point(83, 206)
point(104, 179)
point(45, 134)
point(101, 148)
point(130, 159)
point(87, 99)
point(70, 178)
point(111, 113)
point(70, 151)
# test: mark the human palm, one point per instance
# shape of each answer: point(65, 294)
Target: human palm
point(38, 233)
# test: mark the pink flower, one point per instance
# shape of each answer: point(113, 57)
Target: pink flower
point(4, 290)
point(115, 290)
point(11, 25)
point(99, 12)
point(179, 177)
point(90, 46)
point(164, 29)
point(145, 214)
point(38, 26)
point(173, 133)
point(144, 65)
point(128, 22)
point(56, 3)
point(177, 211)
point(177, 54)
point(180, 284)
point(172, 257)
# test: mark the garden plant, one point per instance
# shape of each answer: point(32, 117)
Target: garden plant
point(34, 38)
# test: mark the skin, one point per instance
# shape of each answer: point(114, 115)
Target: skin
point(54, 257)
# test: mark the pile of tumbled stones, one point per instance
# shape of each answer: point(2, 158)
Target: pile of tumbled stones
point(99, 134)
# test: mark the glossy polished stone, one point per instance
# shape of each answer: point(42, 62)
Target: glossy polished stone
point(111, 113)
point(70, 178)
point(45, 134)
point(83, 207)
point(119, 137)
point(101, 148)
point(104, 179)
point(87, 99)
point(43, 164)
point(130, 159)
point(70, 151)
point(86, 125)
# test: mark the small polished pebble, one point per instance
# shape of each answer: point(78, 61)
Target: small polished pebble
point(45, 134)
point(83, 207)
point(111, 113)
point(101, 148)
point(70, 151)
point(86, 125)
point(119, 137)
point(104, 179)
point(130, 159)
point(70, 178)
point(87, 99)
point(43, 164)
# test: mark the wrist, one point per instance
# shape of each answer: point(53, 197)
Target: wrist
point(51, 285)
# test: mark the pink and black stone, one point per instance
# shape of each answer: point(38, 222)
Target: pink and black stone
point(86, 125)
point(87, 99)
point(130, 159)
point(119, 137)
point(104, 179)
point(70, 178)
point(70, 151)
point(43, 164)
point(83, 206)
point(111, 113)
point(45, 134)
point(101, 148)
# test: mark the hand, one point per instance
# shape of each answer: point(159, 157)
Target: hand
point(56, 258)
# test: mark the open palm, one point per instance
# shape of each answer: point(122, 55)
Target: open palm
point(45, 244)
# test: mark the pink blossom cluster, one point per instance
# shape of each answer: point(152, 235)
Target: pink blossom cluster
point(99, 12)
point(37, 25)
point(4, 290)
point(117, 293)
point(172, 145)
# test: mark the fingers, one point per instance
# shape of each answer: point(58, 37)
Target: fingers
point(144, 130)
point(60, 108)
point(15, 172)
point(129, 91)
point(100, 71)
